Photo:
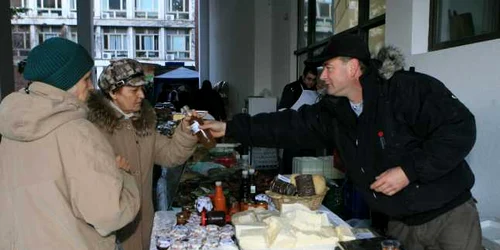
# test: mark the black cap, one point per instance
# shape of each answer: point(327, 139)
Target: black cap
point(347, 45)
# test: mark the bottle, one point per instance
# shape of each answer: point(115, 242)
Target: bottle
point(245, 187)
point(204, 137)
point(219, 198)
point(253, 187)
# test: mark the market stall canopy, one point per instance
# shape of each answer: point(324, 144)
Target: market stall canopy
point(179, 73)
point(182, 80)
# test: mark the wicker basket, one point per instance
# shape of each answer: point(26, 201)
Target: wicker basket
point(312, 202)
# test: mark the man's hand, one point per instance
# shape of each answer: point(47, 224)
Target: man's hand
point(215, 128)
point(391, 181)
point(185, 122)
point(122, 163)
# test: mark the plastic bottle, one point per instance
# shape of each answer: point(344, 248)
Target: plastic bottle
point(219, 198)
point(253, 187)
point(204, 137)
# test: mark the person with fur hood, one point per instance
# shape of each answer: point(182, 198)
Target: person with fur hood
point(61, 186)
point(402, 135)
point(129, 124)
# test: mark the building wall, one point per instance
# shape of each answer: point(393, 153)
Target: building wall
point(232, 48)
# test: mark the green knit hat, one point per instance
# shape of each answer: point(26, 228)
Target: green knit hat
point(58, 62)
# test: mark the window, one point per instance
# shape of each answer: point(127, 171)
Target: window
point(49, 8)
point(115, 43)
point(146, 9)
point(146, 43)
point(46, 32)
point(114, 9)
point(178, 9)
point(178, 44)
point(325, 18)
point(21, 41)
point(72, 6)
point(18, 3)
point(455, 23)
point(346, 15)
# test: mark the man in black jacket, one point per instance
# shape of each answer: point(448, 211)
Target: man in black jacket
point(295, 94)
point(403, 137)
point(292, 92)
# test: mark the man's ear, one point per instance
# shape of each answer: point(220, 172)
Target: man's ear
point(354, 67)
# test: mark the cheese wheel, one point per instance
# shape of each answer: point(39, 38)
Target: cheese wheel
point(318, 180)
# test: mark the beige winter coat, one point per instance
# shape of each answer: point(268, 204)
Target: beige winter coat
point(137, 140)
point(60, 187)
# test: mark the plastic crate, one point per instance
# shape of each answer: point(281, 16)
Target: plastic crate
point(316, 165)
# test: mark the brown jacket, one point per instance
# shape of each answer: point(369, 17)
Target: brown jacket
point(136, 139)
point(60, 187)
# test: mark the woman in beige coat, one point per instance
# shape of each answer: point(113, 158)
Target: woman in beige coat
point(60, 187)
point(129, 123)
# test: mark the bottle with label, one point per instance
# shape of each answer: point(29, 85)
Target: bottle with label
point(204, 137)
point(219, 198)
point(253, 187)
point(245, 187)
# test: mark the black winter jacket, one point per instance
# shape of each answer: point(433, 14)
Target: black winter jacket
point(410, 120)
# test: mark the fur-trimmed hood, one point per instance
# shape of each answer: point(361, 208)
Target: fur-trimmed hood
point(104, 116)
point(390, 60)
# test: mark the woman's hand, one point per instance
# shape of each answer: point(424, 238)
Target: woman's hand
point(122, 163)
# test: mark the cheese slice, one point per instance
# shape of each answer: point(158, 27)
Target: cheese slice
point(250, 239)
point(344, 233)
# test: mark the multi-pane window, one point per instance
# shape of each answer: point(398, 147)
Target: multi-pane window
point(21, 40)
point(363, 17)
point(46, 32)
point(177, 9)
point(49, 8)
point(455, 23)
point(146, 43)
point(178, 44)
point(114, 8)
point(146, 9)
point(115, 43)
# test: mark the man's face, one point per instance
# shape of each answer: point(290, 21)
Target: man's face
point(337, 77)
point(83, 87)
point(128, 98)
point(309, 80)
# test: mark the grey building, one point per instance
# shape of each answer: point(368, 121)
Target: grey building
point(151, 31)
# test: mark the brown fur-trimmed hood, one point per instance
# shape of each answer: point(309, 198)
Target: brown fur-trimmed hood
point(104, 116)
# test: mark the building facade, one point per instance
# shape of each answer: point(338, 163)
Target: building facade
point(151, 31)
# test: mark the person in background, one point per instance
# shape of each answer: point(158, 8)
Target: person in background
point(295, 94)
point(60, 184)
point(128, 122)
point(300, 92)
point(402, 135)
point(210, 100)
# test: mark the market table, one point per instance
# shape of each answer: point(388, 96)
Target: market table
point(167, 219)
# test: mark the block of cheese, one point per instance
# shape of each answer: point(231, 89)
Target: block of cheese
point(306, 220)
point(344, 233)
point(320, 238)
point(250, 239)
point(280, 233)
point(245, 217)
